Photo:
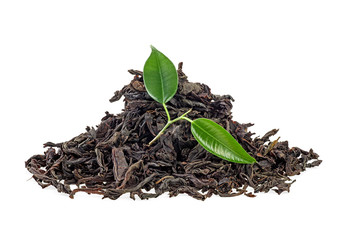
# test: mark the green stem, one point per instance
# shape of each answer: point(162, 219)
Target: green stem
point(166, 109)
point(170, 122)
point(186, 118)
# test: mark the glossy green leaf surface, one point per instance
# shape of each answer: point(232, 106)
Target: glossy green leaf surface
point(160, 77)
point(215, 139)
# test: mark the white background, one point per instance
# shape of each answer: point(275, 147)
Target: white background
point(60, 62)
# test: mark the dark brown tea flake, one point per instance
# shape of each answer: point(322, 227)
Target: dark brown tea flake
point(115, 158)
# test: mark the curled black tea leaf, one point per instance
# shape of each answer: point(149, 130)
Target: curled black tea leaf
point(115, 159)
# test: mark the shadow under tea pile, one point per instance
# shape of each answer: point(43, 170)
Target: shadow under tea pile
point(115, 158)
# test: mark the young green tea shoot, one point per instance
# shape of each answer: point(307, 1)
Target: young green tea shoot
point(161, 82)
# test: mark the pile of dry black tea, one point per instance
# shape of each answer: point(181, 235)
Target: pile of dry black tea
point(115, 158)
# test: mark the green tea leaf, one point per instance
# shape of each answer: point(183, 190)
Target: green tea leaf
point(160, 77)
point(215, 139)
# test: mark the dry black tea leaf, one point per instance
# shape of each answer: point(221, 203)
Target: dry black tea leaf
point(115, 158)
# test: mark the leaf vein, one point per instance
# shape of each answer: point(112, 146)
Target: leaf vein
point(161, 75)
point(223, 144)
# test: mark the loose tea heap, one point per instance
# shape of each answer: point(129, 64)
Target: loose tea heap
point(115, 158)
